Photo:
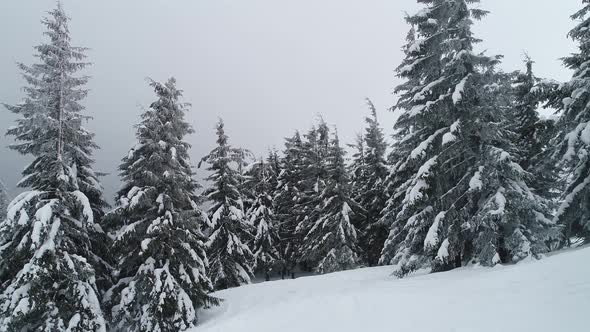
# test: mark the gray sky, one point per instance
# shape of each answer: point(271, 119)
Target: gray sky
point(267, 67)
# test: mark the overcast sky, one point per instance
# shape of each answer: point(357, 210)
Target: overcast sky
point(267, 67)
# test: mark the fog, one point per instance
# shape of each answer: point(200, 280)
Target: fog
point(267, 67)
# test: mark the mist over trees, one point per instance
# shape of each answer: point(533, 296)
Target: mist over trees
point(472, 176)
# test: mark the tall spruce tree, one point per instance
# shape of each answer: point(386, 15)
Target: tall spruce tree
point(47, 281)
point(534, 133)
point(162, 264)
point(231, 261)
point(526, 116)
point(3, 201)
point(3, 207)
point(314, 171)
point(369, 191)
point(244, 159)
point(331, 240)
point(56, 75)
point(461, 197)
point(262, 217)
point(274, 168)
point(286, 198)
point(570, 147)
point(357, 165)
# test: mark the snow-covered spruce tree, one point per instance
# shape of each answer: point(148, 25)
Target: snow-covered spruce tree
point(571, 147)
point(274, 168)
point(510, 223)
point(3, 207)
point(357, 163)
point(56, 75)
point(47, 281)
point(369, 189)
point(252, 178)
point(286, 198)
point(406, 137)
point(160, 249)
point(3, 201)
point(332, 239)
point(261, 215)
point(460, 197)
point(231, 261)
point(358, 178)
point(244, 159)
point(533, 132)
point(526, 116)
point(314, 171)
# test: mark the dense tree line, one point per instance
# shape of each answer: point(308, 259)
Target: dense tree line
point(473, 176)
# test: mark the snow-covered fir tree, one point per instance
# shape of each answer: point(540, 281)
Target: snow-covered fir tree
point(3, 201)
point(369, 171)
point(526, 116)
point(511, 222)
point(244, 160)
point(357, 163)
point(274, 169)
point(331, 240)
point(571, 146)
point(460, 196)
point(251, 178)
point(533, 132)
point(265, 245)
point(160, 250)
point(47, 77)
point(231, 260)
point(47, 281)
point(286, 198)
point(314, 172)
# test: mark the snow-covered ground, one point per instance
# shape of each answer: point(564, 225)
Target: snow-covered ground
point(550, 295)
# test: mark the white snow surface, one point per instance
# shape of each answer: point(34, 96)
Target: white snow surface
point(549, 295)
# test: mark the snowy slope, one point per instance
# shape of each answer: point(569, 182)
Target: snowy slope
point(549, 295)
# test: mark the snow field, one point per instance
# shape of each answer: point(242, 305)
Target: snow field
point(549, 295)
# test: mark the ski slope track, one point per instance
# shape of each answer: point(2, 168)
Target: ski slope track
point(552, 294)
